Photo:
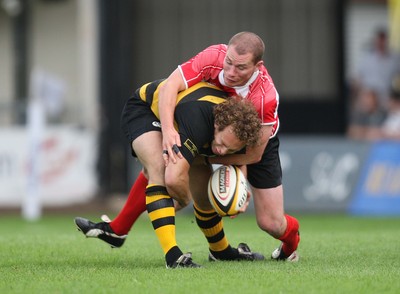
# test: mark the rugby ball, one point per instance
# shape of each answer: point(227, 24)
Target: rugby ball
point(227, 190)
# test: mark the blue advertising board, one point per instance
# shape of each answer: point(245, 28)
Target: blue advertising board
point(378, 190)
point(320, 173)
point(338, 175)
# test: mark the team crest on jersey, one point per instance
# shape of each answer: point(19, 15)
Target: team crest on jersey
point(191, 147)
point(156, 124)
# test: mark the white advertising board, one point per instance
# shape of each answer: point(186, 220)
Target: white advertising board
point(66, 166)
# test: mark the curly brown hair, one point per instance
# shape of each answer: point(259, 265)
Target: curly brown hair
point(243, 117)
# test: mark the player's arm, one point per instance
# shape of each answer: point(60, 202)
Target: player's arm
point(252, 155)
point(167, 102)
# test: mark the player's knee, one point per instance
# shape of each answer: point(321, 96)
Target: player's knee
point(171, 182)
point(174, 187)
point(272, 226)
point(183, 200)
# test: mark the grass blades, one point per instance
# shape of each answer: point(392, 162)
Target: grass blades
point(338, 254)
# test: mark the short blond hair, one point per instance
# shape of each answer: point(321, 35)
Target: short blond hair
point(248, 42)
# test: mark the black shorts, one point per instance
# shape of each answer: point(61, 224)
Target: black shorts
point(137, 119)
point(267, 173)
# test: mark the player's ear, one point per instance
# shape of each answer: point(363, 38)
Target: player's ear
point(259, 64)
point(218, 128)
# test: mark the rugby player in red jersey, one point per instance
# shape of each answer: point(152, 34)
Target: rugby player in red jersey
point(238, 69)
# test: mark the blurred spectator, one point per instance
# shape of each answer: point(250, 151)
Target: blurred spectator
point(367, 116)
point(391, 125)
point(376, 69)
point(370, 122)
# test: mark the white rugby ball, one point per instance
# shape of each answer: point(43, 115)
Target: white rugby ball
point(227, 190)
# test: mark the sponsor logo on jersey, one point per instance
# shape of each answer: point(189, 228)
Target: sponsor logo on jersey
point(191, 147)
point(157, 124)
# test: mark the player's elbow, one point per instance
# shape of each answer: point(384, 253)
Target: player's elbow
point(254, 158)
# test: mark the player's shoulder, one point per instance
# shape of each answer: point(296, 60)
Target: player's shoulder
point(202, 92)
point(264, 81)
point(214, 52)
point(219, 48)
point(204, 84)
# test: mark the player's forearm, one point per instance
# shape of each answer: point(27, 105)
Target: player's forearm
point(252, 155)
point(167, 99)
point(166, 107)
point(235, 159)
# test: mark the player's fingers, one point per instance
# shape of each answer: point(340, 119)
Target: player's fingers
point(171, 155)
point(175, 148)
point(243, 209)
point(165, 157)
point(248, 198)
point(245, 205)
point(178, 145)
point(177, 151)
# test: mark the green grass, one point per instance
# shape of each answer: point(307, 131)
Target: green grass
point(339, 254)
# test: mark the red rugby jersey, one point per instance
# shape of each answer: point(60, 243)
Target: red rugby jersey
point(260, 90)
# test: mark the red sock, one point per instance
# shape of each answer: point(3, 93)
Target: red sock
point(291, 237)
point(134, 206)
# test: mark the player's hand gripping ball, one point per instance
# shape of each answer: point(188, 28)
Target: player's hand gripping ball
point(227, 190)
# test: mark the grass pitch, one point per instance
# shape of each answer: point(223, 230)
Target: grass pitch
point(338, 254)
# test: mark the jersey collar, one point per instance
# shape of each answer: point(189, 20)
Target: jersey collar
point(240, 90)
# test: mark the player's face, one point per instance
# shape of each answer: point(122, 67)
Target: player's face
point(238, 69)
point(226, 142)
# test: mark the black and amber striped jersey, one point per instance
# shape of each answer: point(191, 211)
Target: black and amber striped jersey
point(194, 119)
point(200, 92)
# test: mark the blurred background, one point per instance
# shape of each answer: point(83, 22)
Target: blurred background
point(68, 66)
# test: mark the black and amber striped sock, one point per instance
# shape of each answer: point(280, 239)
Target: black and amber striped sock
point(160, 207)
point(211, 224)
